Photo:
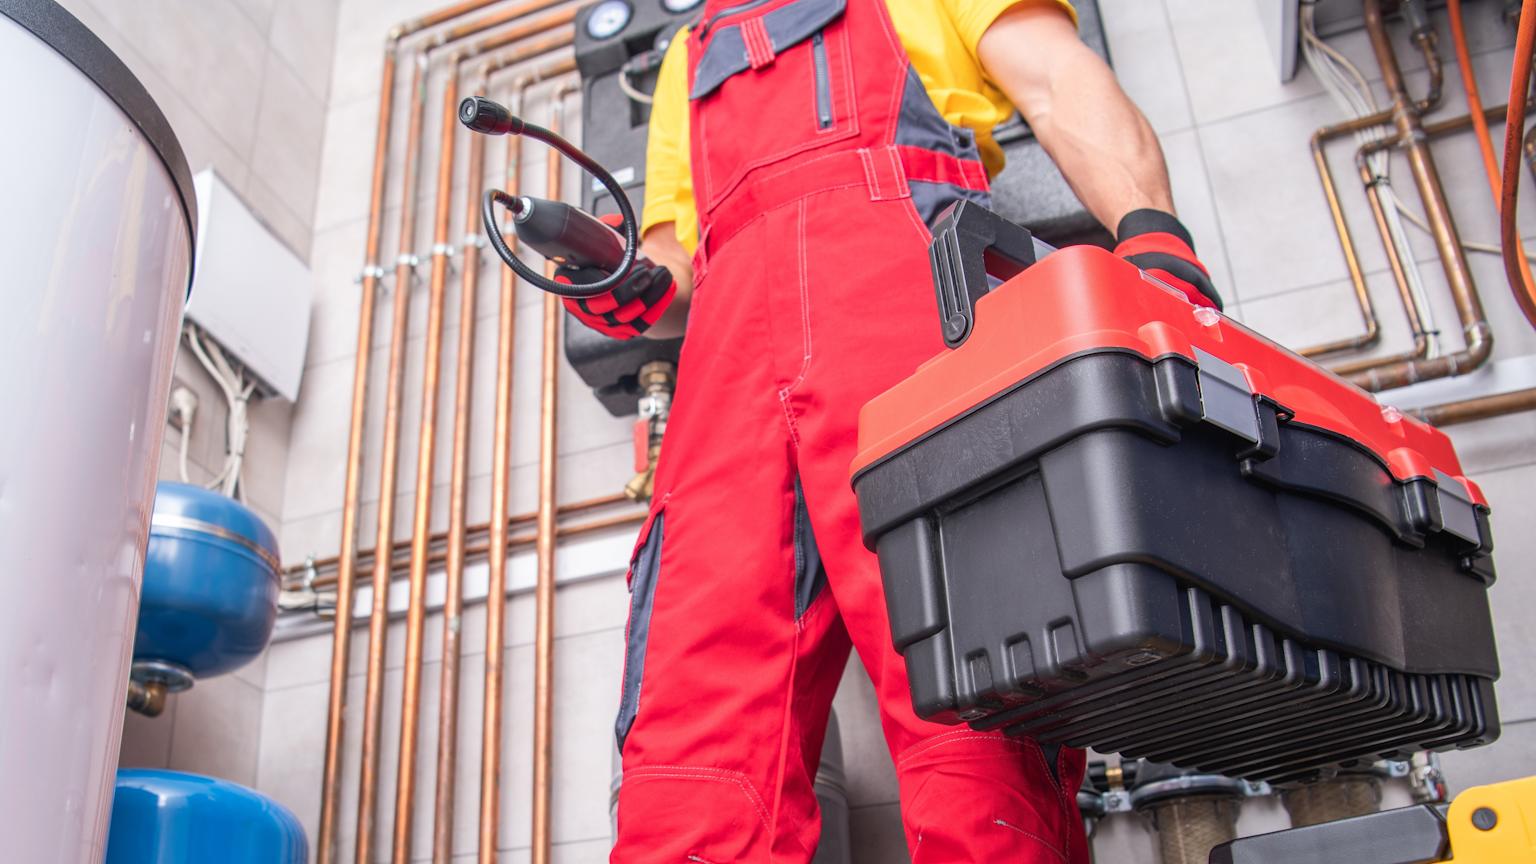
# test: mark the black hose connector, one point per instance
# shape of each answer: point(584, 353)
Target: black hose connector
point(490, 118)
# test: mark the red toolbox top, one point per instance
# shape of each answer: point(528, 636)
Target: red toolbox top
point(1084, 299)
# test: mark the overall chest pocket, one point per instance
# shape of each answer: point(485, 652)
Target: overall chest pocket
point(769, 85)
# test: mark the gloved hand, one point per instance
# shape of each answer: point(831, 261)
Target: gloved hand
point(1158, 243)
point(629, 309)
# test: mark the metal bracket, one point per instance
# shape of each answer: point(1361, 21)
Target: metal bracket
point(371, 271)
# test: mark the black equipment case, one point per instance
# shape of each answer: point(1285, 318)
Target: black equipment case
point(1107, 518)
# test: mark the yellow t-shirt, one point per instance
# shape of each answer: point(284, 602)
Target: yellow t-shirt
point(940, 37)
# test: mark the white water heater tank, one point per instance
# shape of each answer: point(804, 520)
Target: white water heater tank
point(96, 216)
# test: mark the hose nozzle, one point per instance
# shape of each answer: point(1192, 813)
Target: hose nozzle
point(489, 118)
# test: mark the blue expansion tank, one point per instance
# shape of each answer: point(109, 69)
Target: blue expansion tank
point(169, 817)
point(210, 583)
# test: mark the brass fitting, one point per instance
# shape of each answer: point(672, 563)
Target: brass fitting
point(147, 698)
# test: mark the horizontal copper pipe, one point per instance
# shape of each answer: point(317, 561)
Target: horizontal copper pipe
point(510, 12)
point(482, 528)
point(558, 21)
point(442, 16)
point(1482, 408)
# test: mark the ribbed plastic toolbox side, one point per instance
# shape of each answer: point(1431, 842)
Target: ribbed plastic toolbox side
point(1095, 559)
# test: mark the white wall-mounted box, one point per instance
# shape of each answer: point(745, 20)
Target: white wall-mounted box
point(250, 293)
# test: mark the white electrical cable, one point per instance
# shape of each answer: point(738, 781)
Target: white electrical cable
point(1347, 85)
point(237, 395)
point(186, 436)
point(632, 91)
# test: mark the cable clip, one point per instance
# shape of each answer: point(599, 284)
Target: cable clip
point(445, 250)
point(371, 271)
point(408, 260)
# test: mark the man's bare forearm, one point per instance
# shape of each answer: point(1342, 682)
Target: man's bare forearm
point(1102, 143)
point(661, 244)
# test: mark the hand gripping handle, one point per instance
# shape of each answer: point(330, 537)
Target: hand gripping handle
point(970, 243)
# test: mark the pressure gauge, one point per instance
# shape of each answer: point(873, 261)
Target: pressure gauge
point(678, 6)
point(608, 19)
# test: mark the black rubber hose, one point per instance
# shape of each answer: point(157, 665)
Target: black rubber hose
point(487, 117)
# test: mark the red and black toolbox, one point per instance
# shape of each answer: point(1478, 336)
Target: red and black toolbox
point(1107, 518)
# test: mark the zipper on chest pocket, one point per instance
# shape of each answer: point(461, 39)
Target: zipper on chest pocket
point(823, 81)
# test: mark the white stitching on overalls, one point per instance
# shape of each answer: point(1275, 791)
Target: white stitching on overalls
point(805, 324)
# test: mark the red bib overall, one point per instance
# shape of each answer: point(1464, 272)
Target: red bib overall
point(817, 159)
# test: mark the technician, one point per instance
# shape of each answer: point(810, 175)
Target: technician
point(799, 150)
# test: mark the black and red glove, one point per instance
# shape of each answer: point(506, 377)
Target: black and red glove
point(1158, 243)
point(629, 309)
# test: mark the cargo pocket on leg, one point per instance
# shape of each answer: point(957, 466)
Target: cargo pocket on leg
point(644, 568)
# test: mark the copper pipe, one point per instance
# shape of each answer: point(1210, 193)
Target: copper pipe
point(1372, 185)
point(378, 622)
point(1410, 303)
point(1482, 408)
point(1530, 150)
point(544, 618)
point(1428, 45)
point(1479, 336)
point(558, 21)
point(346, 568)
point(498, 17)
point(474, 532)
point(453, 603)
point(446, 14)
point(1372, 331)
point(550, 71)
point(416, 610)
point(347, 560)
point(496, 585)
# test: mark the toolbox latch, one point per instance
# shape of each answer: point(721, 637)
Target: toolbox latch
point(970, 243)
point(1225, 400)
point(1458, 513)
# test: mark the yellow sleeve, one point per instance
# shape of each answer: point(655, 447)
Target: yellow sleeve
point(668, 181)
point(972, 17)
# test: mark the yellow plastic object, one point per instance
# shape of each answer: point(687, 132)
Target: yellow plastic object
point(1494, 824)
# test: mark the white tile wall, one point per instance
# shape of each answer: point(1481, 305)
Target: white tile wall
point(1236, 143)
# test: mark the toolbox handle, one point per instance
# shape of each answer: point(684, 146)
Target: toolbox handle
point(970, 243)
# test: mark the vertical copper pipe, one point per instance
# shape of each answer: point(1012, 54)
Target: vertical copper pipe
point(421, 532)
point(1427, 45)
point(453, 603)
point(378, 622)
point(1469, 307)
point(341, 633)
point(1372, 183)
point(496, 588)
point(544, 621)
point(1346, 239)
